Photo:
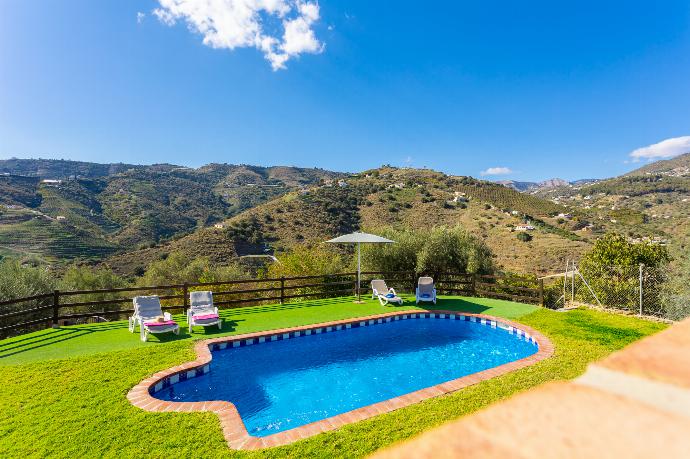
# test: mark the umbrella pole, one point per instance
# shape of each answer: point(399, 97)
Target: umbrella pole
point(359, 271)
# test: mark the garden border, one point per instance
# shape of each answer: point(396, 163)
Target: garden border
point(231, 422)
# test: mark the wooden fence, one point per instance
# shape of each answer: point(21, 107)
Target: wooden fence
point(70, 307)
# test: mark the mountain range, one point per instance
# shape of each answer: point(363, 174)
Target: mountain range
point(125, 216)
point(544, 185)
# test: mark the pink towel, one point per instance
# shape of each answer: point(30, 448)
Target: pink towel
point(205, 316)
point(160, 324)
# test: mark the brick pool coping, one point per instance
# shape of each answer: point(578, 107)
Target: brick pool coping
point(231, 422)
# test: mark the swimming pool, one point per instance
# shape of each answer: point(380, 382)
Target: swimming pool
point(278, 383)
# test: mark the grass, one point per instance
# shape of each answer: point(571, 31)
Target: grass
point(112, 336)
point(76, 407)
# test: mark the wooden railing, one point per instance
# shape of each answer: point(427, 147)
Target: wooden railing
point(70, 307)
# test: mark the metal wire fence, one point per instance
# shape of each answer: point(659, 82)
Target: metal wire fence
point(637, 289)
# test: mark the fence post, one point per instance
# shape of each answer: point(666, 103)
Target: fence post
point(282, 289)
point(541, 292)
point(414, 283)
point(56, 308)
point(185, 296)
point(641, 279)
point(474, 284)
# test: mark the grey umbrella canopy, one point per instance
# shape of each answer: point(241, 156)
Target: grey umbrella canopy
point(360, 238)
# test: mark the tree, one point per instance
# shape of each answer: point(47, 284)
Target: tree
point(178, 268)
point(17, 280)
point(86, 278)
point(612, 269)
point(20, 281)
point(401, 256)
point(616, 250)
point(454, 250)
point(439, 250)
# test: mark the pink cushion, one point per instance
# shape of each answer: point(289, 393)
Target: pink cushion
point(205, 316)
point(167, 323)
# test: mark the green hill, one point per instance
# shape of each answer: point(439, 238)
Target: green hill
point(402, 198)
point(678, 166)
point(130, 216)
point(89, 211)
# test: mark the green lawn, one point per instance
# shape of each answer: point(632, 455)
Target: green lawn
point(111, 336)
point(63, 391)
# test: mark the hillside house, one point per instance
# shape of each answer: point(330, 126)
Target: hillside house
point(342, 183)
point(524, 227)
point(51, 182)
point(60, 218)
point(565, 216)
point(219, 226)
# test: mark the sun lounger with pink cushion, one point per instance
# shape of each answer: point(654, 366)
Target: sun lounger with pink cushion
point(150, 317)
point(201, 311)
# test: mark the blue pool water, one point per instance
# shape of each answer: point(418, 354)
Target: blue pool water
point(279, 385)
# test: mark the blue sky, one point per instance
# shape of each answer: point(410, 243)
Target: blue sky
point(530, 89)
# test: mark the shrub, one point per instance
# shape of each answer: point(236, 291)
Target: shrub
point(178, 268)
point(308, 261)
point(675, 295)
point(524, 237)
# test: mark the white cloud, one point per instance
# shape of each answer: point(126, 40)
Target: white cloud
point(663, 150)
point(230, 24)
point(497, 171)
point(140, 17)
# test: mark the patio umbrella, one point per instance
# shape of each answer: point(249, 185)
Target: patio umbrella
point(360, 238)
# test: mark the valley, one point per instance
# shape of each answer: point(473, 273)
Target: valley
point(125, 217)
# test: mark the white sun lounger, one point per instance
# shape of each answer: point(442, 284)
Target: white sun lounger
point(386, 295)
point(147, 312)
point(426, 291)
point(201, 311)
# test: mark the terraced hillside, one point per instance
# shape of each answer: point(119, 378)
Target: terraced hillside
point(140, 214)
point(650, 202)
point(89, 211)
point(403, 198)
point(32, 234)
point(19, 191)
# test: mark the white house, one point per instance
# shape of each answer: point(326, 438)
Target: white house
point(60, 217)
point(525, 227)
